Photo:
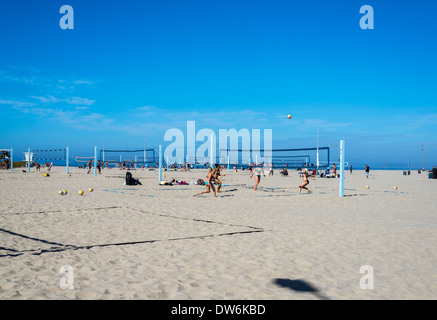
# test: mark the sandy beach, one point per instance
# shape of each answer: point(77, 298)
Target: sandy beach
point(160, 242)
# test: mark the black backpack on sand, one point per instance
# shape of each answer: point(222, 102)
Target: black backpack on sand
point(130, 181)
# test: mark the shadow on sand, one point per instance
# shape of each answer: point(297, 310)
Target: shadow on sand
point(300, 286)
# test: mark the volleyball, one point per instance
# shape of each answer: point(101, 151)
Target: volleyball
point(289, 116)
point(367, 187)
point(61, 192)
point(395, 188)
point(64, 191)
point(90, 190)
point(80, 192)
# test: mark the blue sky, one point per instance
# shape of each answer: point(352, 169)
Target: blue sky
point(134, 69)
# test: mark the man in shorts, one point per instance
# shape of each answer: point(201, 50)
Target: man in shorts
point(89, 165)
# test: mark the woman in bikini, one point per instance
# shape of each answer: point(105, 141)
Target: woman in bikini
point(208, 184)
point(216, 176)
point(305, 182)
point(257, 173)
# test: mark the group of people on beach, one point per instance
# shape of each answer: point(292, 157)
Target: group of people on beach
point(90, 165)
point(214, 175)
point(38, 166)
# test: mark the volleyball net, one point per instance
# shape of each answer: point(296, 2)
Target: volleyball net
point(280, 158)
point(83, 159)
point(398, 166)
point(134, 157)
point(50, 155)
point(57, 157)
point(196, 160)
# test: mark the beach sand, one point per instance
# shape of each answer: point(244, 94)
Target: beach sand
point(160, 242)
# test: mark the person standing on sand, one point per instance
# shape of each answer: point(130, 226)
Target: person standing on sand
point(216, 176)
point(89, 164)
point(271, 170)
point(350, 168)
point(305, 182)
point(99, 167)
point(211, 179)
point(257, 173)
point(367, 171)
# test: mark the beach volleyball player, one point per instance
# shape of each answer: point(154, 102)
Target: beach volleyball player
point(305, 176)
point(207, 184)
point(257, 173)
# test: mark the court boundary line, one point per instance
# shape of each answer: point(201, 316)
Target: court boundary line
point(59, 247)
point(57, 211)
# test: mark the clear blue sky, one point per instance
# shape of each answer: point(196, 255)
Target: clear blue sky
point(134, 69)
